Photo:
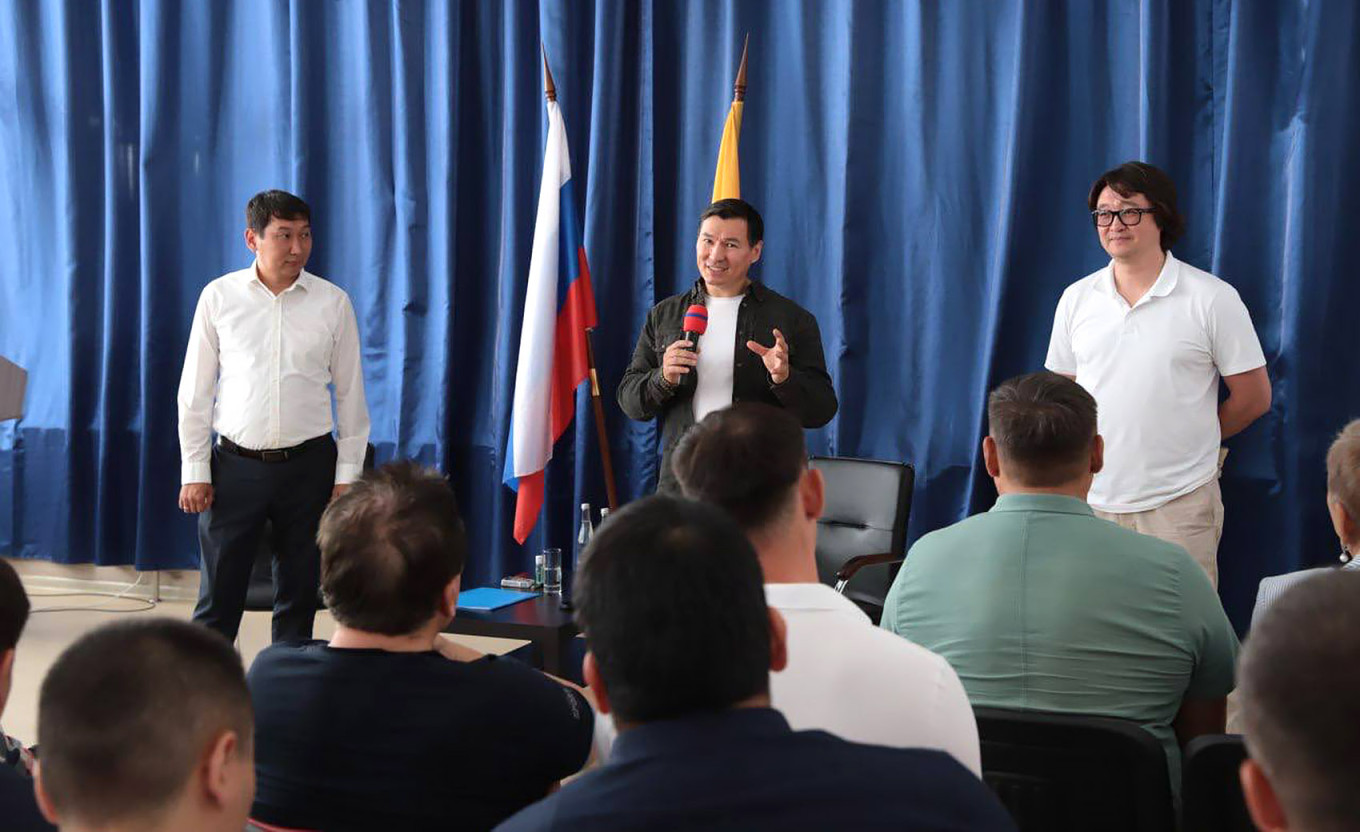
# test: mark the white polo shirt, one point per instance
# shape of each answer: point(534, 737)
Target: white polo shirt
point(1154, 371)
point(852, 679)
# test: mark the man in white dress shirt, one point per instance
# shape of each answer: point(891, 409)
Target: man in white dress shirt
point(1149, 337)
point(267, 344)
point(844, 675)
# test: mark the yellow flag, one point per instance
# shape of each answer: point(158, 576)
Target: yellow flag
point(727, 180)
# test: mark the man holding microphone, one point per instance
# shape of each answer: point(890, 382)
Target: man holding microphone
point(728, 339)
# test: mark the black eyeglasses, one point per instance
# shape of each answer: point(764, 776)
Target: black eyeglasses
point(1128, 216)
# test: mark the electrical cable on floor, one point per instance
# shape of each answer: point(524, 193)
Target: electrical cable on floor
point(148, 604)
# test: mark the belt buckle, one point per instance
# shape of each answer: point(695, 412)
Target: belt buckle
point(274, 456)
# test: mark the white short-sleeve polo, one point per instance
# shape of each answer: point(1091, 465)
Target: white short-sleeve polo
point(1154, 371)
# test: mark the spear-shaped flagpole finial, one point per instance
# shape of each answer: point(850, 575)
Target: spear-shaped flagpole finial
point(739, 88)
point(549, 90)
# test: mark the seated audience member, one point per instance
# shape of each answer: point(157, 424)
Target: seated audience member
point(681, 644)
point(146, 725)
point(1343, 504)
point(390, 726)
point(1298, 687)
point(18, 806)
point(844, 675)
point(1041, 605)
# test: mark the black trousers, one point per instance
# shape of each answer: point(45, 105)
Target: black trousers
point(291, 496)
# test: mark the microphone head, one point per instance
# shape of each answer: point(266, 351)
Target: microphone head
point(696, 319)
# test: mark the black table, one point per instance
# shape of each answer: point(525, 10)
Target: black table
point(540, 620)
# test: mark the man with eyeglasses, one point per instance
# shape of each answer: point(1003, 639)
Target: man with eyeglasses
point(1150, 336)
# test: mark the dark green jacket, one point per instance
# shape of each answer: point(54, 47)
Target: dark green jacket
point(807, 392)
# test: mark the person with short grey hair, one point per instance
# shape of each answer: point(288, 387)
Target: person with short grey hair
point(1343, 504)
point(1298, 684)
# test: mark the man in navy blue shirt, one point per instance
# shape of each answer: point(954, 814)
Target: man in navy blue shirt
point(18, 806)
point(390, 725)
point(671, 600)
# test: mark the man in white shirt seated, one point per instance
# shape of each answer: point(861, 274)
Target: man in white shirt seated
point(844, 675)
point(267, 344)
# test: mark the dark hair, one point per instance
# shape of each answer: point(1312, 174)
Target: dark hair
point(126, 713)
point(1298, 680)
point(1141, 178)
point(13, 607)
point(736, 209)
point(1043, 425)
point(389, 547)
point(745, 459)
point(267, 205)
point(1343, 469)
point(670, 599)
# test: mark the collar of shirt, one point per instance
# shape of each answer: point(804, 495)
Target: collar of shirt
point(754, 291)
point(811, 597)
point(252, 275)
point(703, 732)
point(1050, 503)
point(1166, 280)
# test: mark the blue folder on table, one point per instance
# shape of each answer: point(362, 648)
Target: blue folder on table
point(487, 598)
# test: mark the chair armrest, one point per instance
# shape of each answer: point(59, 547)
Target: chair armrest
point(853, 565)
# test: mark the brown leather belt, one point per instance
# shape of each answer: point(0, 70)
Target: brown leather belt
point(274, 454)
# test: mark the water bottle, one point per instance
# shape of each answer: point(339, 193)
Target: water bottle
point(584, 533)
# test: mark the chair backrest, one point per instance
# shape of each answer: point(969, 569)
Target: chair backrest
point(1211, 792)
point(1057, 772)
point(867, 505)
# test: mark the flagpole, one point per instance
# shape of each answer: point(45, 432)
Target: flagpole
point(739, 88)
point(606, 457)
point(549, 90)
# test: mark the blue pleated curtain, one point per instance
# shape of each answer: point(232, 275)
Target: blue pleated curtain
point(922, 168)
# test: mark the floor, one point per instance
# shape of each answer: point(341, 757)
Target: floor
point(61, 614)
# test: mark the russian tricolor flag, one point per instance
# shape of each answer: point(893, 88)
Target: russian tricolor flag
point(559, 307)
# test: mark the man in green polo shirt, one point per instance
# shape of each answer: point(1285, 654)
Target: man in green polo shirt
point(1040, 605)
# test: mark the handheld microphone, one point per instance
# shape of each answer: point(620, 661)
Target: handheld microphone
point(696, 323)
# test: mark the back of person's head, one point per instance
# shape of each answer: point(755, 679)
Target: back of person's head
point(1043, 425)
point(13, 607)
point(746, 459)
point(13, 617)
point(275, 204)
point(137, 717)
point(1299, 681)
point(390, 546)
point(1152, 182)
point(736, 209)
point(671, 602)
point(1343, 471)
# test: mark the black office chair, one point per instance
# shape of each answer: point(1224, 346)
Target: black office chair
point(1211, 792)
point(1059, 772)
point(862, 534)
point(260, 591)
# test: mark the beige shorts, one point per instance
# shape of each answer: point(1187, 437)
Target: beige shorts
point(1193, 520)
